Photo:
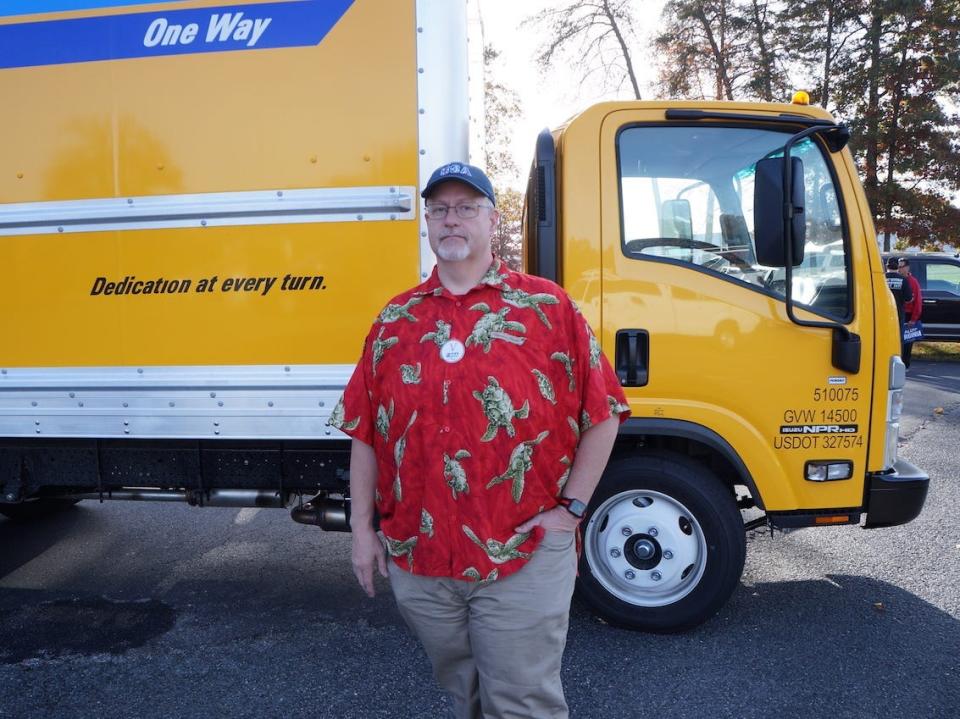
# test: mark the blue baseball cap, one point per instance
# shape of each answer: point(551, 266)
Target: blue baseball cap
point(469, 175)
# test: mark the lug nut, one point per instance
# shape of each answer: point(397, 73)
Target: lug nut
point(668, 554)
point(614, 552)
point(630, 574)
point(655, 576)
point(626, 531)
point(653, 531)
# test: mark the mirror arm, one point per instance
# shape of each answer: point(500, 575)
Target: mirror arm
point(846, 345)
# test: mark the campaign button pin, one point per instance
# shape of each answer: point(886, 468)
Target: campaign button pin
point(452, 351)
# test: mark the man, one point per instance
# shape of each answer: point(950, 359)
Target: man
point(912, 308)
point(482, 415)
point(901, 290)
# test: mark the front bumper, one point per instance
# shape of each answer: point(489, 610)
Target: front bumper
point(896, 497)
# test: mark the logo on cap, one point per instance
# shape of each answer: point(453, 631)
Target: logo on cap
point(455, 169)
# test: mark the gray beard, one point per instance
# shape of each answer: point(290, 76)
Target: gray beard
point(453, 252)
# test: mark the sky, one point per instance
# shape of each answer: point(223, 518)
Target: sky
point(547, 99)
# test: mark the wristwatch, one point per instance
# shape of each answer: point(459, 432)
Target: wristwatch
point(574, 506)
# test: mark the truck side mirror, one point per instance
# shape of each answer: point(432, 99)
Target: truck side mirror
point(676, 221)
point(773, 215)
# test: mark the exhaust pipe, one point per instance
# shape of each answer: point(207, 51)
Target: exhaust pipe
point(331, 515)
point(211, 498)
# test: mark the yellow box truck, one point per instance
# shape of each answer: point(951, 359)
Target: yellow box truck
point(204, 205)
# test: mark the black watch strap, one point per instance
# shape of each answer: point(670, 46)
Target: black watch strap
point(574, 506)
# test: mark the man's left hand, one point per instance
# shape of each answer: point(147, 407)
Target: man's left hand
point(556, 519)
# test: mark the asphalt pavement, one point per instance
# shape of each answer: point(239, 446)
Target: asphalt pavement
point(136, 610)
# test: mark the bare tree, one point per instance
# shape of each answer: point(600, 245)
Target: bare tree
point(501, 109)
point(501, 106)
point(594, 34)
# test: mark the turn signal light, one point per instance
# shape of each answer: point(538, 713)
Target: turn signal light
point(833, 519)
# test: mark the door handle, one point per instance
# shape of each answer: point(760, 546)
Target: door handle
point(633, 357)
point(929, 302)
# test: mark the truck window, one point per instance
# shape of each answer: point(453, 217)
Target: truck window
point(686, 196)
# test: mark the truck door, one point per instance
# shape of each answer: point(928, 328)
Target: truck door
point(940, 282)
point(712, 347)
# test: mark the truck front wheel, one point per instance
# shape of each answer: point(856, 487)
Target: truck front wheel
point(663, 544)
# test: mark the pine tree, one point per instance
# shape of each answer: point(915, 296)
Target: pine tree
point(896, 82)
point(703, 50)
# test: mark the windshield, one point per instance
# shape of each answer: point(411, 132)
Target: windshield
point(687, 196)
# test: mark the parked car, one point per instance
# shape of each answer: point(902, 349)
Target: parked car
point(939, 277)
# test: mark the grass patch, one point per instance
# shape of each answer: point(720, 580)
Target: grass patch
point(937, 351)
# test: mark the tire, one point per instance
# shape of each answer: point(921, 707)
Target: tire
point(663, 544)
point(36, 508)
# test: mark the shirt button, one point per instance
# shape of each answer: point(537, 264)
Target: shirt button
point(444, 429)
point(459, 303)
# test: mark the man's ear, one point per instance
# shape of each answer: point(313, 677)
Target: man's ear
point(494, 220)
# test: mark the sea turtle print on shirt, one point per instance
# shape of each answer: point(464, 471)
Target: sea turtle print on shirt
point(498, 409)
point(426, 523)
point(392, 313)
point(399, 449)
point(520, 462)
point(404, 548)
point(562, 482)
point(523, 300)
point(337, 418)
point(454, 473)
point(595, 350)
point(384, 417)
point(473, 574)
point(493, 276)
point(616, 406)
point(440, 336)
point(410, 374)
point(494, 326)
point(564, 359)
point(381, 345)
point(546, 387)
point(500, 552)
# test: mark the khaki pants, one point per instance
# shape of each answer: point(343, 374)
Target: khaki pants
point(497, 647)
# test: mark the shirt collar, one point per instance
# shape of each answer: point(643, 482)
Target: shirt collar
point(493, 277)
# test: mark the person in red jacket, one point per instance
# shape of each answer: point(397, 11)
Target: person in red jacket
point(913, 307)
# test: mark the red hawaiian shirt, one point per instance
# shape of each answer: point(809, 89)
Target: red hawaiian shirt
point(474, 405)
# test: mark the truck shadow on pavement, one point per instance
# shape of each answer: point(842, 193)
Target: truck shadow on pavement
point(25, 540)
point(840, 646)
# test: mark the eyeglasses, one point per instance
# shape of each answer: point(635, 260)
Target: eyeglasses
point(465, 211)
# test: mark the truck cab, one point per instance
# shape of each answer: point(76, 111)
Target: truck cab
point(725, 254)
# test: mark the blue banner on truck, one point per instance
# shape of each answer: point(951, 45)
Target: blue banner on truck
point(37, 7)
point(300, 23)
